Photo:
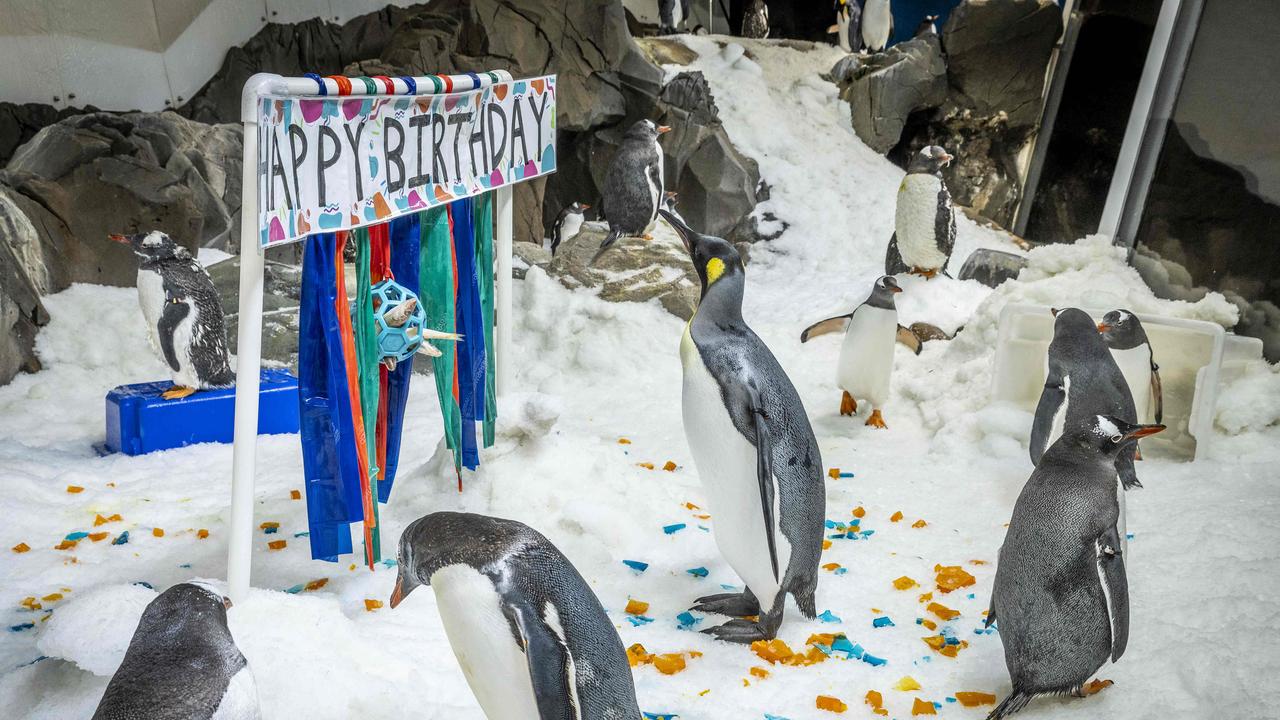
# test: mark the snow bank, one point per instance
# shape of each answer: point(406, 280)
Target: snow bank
point(94, 630)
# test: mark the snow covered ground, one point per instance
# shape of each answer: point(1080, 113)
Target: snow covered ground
point(1204, 558)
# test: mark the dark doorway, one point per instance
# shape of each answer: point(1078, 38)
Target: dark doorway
point(1102, 79)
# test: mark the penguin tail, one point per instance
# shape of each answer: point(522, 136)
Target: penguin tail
point(1011, 704)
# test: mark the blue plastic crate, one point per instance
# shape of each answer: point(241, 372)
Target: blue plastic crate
point(139, 421)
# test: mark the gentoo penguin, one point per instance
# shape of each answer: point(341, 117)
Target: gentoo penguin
point(754, 450)
point(532, 639)
point(925, 221)
point(927, 26)
point(877, 24)
point(184, 316)
point(1060, 597)
point(633, 185)
point(568, 223)
point(866, 357)
point(755, 20)
point(848, 27)
point(1083, 381)
point(182, 663)
point(1122, 331)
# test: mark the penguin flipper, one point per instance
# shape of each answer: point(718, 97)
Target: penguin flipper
point(944, 228)
point(1111, 562)
point(1157, 394)
point(551, 667)
point(609, 240)
point(764, 471)
point(839, 323)
point(1124, 467)
point(991, 612)
point(175, 311)
point(910, 339)
point(1051, 398)
point(893, 264)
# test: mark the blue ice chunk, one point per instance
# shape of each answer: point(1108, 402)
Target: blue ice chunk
point(270, 530)
point(304, 533)
point(704, 528)
point(687, 620)
point(670, 529)
point(872, 660)
point(971, 596)
point(840, 570)
point(950, 699)
point(21, 626)
point(389, 562)
point(145, 584)
point(697, 572)
point(185, 565)
point(121, 539)
point(842, 644)
point(636, 565)
point(660, 716)
point(829, 617)
point(846, 474)
point(1128, 536)
point(727, 586)
point(868, 533)
point(767, 716)
point(296, 589)
point(638, 620)
point(882, 621)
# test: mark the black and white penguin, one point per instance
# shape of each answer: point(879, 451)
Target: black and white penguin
point(568, 223)
point(184, 316)
point(925, 220)
point(1082, 382)
point(755, 20)
point(754, 449)
point(928, 26)
point(182, 663)
point(877, 24)
point(1122, 331)
point(633, 184)
point(532, 639)
point(866, 357)
point(1060, 598)
point(848, 27)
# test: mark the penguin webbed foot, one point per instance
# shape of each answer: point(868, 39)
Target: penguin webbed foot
point(732, 604)
point(876, 420)
point(848, 405)
point(1093, 687)
point(743, 632)
point(177, 392)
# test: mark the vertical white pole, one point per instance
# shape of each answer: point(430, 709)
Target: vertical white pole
point(248, 366)
point(503, 213)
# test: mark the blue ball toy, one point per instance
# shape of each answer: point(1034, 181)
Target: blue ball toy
point(397, 341)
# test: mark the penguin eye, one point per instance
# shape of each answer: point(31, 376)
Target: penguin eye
point(1117, 439)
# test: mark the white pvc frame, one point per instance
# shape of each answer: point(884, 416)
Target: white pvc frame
point(249, 349)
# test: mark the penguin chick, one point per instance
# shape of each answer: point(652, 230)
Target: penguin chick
point(877, 24)
point(182, 663)
point(1122, 331)
point(633, 184)
point(1060, 596)
point(866, 356)
point(755, 20)
point(925, 221)
point(532, 639)
point(184, 316)
point(754, 449)
point(568, 224)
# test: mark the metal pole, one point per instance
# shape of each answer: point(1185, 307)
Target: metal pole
point(248, 355)
point(502, 239)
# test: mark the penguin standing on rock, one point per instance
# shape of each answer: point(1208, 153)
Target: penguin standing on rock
point(568, 224)
point(184, 317)
point(1060, 597)
point(182, 663)
point(877, 24)
point(633, 185)
point(1122, 331)
point(532, 639)
point(928, 26)
point(925, 220)
point(755, 20)
point(848, 27)
point(866, 357)
point(754, 449)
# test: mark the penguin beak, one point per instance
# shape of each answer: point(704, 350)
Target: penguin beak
point(115, 237)
point(1103, 327)
point(403, 588)
point(686, 233)
point(663, 129)
point(1140, 431)
point(226, 602)
point(1054, 311)
point(585, 206)
point(947, 158)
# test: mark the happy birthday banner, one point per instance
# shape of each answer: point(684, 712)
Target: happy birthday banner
point(335, 163)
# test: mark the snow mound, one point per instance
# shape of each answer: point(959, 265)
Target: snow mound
point(1252, 402)
point(94, 629)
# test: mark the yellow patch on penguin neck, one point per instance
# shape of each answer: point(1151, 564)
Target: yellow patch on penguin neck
point(715, 268)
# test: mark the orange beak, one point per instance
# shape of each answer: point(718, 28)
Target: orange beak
point(397, 595)
point(119, 238)
point(664, 129)
point(226, 602)
point(1143, 431)
point(1103, 327)
point(586, 206)
point(897, 289)
point(947, 158)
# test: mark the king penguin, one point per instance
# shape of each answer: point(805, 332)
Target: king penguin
point(1060, 597)
point(866, 357)
point(532, 639)
point(182, 663)
point(754, 449)
point(633, 184)
point(184, 317)
point(568, 224)
point(925, 220)
point(1083, 381)
point(877, 24)
point(1122, 331)
point(848, 27)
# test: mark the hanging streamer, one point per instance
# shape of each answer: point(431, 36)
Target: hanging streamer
point(484, 274)
point(471, 323)
point(437, 295)
point(367, 371)
point(403, 243)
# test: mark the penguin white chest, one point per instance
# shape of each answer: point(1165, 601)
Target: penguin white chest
point(866, 357)
point(1135, 365)
point(655, 188)
point(877, 19)
point(493, 663)
point(151, 300)
point(240, 700)
point(571, 226)
point(726, 463)
point(842, 29)
point(915, 221)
